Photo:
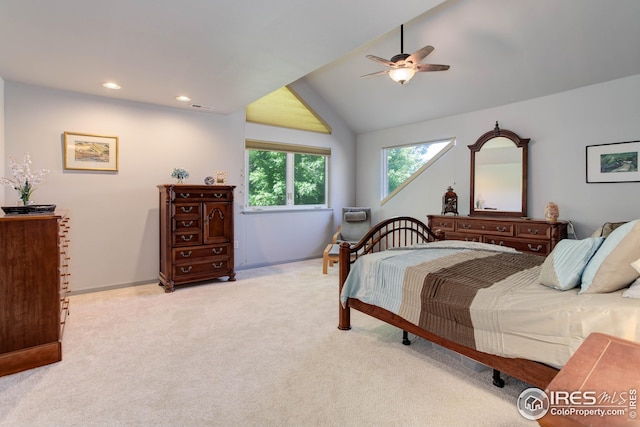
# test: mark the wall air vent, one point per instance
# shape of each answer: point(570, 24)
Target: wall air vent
point(201, 107)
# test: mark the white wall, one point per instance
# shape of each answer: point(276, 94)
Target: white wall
point(114, 216)
point(304, 234)
point(560, 127)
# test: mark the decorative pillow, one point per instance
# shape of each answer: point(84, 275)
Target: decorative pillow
point(633, 291)
point(355, 216)
point(562, 269)
point(607, 228)
point(610, 268)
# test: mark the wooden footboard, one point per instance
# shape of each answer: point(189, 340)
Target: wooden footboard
point(404, 231)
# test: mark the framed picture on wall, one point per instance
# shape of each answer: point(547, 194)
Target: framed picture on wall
point(615, 162)
point(84, 151)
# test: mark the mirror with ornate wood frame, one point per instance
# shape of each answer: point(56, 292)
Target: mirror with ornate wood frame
point(499, 174)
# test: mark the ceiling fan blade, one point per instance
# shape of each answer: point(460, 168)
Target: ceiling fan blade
point(431, 67)
point(381, 60)
point(377, 73)
point(419, 54)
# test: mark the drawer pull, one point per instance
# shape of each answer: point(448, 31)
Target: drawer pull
point(185, 254)
point(187, 239)
point(444, 224)
point(468, 239)
point(536, 249)
point(218, 195)
point(185, 209)
point(500, 243)
point(217, 251)
point(187, 224)
point(186, 270)
point(184, 195)
point(501, 229)
point(466, 226)
point(532, 231)
point(216, 265)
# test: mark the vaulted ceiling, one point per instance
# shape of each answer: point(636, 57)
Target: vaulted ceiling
point(225, 55)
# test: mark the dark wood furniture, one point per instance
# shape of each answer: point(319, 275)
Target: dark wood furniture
point(196, 234)
point(34, 287)
point(606, 368)
point(403, 231)
point(526, 235)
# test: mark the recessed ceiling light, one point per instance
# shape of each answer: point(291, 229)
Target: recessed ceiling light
point(183, 98)
point(111, 85)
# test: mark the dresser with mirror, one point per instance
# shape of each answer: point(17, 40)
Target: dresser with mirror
point(498, 199)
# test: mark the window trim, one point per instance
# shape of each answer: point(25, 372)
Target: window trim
point(290, 149)
point(256, 144)
point(445, 149)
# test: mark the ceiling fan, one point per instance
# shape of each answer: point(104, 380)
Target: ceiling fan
point(403, 66)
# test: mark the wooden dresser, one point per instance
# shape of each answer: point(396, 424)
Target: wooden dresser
point(526, 235)
point(196, 234)
point(34, 288)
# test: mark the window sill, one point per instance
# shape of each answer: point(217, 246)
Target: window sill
point(258, 211)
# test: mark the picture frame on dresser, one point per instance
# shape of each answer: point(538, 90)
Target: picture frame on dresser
point(613, 163)
point(90, 152)
point(220, 178)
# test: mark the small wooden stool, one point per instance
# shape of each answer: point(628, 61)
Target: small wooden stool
point(330, 255)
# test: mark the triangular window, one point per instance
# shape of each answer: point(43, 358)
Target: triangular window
point(284, 108)
point(402, 164)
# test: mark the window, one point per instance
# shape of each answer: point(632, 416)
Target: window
point(402, 164)
point(286, 175)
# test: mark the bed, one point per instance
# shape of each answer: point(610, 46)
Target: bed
point(484, 301)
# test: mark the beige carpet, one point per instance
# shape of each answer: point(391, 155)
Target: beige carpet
point(261, 351)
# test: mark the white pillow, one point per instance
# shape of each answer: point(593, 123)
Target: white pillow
point(563, 267)
point(610, 268)
point(633, 291)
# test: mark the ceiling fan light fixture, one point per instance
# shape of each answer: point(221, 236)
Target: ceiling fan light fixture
point(402, 67)
point(402, 74)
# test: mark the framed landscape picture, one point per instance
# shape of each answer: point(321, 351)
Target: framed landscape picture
point(616, 162)
point(83, 151)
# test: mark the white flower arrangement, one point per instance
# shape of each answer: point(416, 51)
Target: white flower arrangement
point(24, 180)
point(180, 174)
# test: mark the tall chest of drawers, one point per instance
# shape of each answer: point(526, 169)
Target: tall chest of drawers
point(525, 235)
point(196, 234)
point(34, 288)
